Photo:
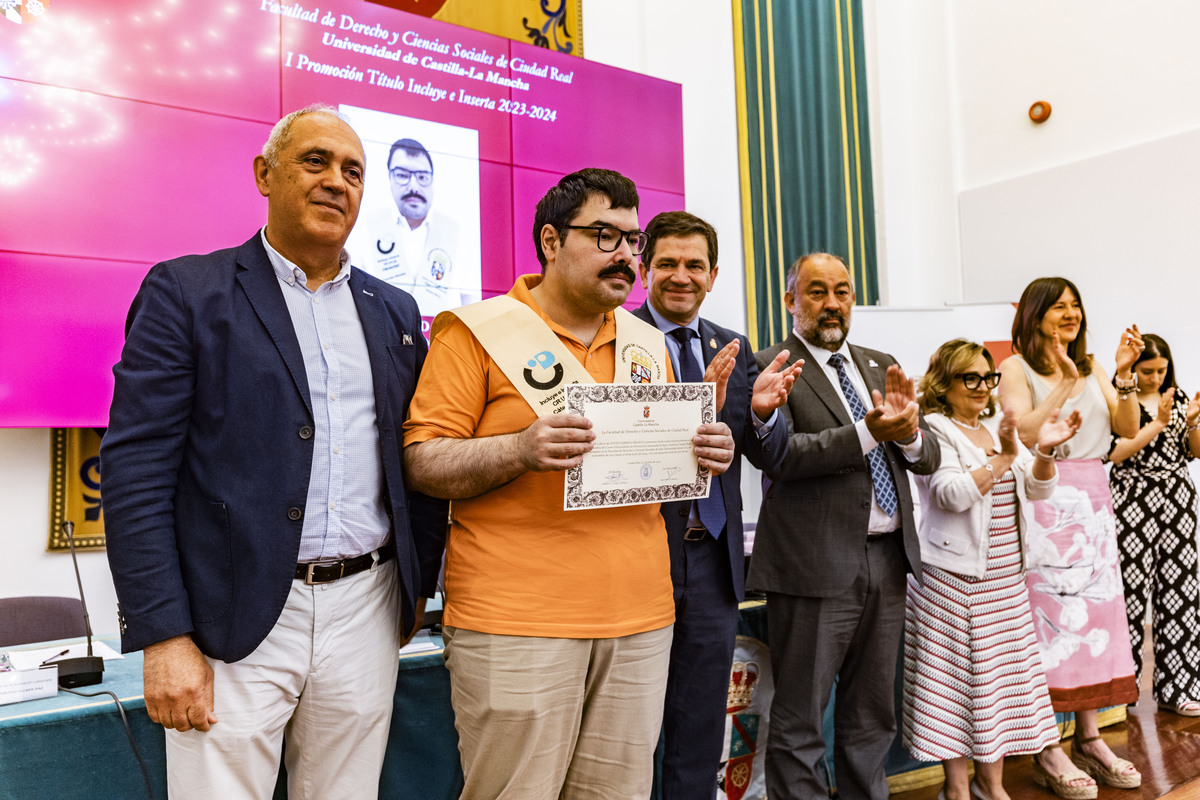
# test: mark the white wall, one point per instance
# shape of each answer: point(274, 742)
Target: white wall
point(1117, 73)
point(914, 149)
point(974, 200)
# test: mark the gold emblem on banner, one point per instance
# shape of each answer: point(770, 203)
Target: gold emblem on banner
point(531, 21)
point(75, 487)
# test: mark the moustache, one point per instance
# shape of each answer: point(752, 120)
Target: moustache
point(623, 270)
point(416, 195)
point(831, 315)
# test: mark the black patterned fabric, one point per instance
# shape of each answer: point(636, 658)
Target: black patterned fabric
point(1155, 504)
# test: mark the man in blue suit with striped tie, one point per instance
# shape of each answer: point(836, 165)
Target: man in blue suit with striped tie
point(678, 269)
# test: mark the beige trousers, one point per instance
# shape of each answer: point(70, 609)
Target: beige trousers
point(542, 719)
point(325, 676)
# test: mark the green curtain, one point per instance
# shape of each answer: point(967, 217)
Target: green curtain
point(805, 148)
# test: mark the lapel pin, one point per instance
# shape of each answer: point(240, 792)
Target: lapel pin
point(406, 339)
point(871, 362)
point(368, 294)
point(712, 343)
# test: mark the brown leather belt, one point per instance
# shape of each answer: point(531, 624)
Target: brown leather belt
point(330, 571)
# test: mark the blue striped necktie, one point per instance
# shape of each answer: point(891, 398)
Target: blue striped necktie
point(711, 509)
point(881, 474)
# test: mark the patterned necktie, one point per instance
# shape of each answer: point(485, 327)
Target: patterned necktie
point(881, 474)
point(711, 509)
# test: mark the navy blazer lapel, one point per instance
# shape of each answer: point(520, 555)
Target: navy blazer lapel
point(710, 341)
point(261, 285)
point(814, 375)
point(371, 315)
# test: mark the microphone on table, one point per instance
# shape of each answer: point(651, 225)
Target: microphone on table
point(84, 670)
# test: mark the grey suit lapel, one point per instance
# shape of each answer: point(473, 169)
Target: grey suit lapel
point(873, 375)
point(814, 375)
point(259, 282)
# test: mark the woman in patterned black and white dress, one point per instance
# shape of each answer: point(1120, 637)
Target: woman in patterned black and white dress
point(973, 680)
point(1155, 504)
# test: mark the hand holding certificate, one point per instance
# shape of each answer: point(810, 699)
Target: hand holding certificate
point(643, 451)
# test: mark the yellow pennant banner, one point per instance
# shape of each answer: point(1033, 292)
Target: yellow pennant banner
point(554, 24)
point(75, 487)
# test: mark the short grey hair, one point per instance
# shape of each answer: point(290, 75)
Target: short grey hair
point(283, 130)
point(793, 274)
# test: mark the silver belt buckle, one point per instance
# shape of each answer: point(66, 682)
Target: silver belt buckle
point(309, 580)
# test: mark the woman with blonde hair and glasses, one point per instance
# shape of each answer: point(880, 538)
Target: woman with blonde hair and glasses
point(973, 681)
point(1074, 577)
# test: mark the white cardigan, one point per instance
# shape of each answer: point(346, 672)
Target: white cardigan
point(955, 517)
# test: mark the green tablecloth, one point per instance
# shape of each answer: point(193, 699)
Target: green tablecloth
point(68, 747)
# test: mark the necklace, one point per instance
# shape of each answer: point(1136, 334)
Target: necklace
point(964, 425)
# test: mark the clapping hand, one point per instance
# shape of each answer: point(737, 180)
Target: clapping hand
point(773, 384)
point(719, 370)
point(1055, 431)
point(1193, 410)
point(1165, 401)
point(1009, 442)
point(1058, 350)
point(1129, 349)
point(894, 417)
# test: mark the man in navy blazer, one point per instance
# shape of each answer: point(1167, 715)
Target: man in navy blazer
point(266, 555)
point(678, 269)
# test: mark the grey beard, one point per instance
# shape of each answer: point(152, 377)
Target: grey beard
point(825, 338)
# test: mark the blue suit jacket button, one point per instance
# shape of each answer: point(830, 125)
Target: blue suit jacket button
point(295, 513)
point(306, 432)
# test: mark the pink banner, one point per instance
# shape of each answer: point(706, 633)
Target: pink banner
point(128, 131)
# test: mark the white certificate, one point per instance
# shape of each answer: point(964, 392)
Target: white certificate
point(643, 451)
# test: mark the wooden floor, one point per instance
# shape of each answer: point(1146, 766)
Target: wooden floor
point(1164, 746)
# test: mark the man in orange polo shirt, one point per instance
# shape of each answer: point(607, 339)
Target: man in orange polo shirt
point(557, 623)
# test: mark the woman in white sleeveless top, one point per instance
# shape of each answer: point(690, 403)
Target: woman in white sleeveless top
point(1074, 579)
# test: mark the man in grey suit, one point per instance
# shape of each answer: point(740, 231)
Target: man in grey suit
point(835, 541)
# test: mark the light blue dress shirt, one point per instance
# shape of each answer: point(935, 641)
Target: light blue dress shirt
point(345, 514)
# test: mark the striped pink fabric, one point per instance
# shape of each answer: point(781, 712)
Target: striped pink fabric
point(973, 679)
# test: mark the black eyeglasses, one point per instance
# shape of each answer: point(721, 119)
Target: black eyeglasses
point(971, 380)
point(608, 237)
point(400, 175)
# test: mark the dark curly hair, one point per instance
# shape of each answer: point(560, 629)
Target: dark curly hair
point(560, 205)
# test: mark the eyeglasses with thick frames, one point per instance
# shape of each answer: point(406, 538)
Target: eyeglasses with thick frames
point(608, 237)
point(400, 175)
point(971, 380)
